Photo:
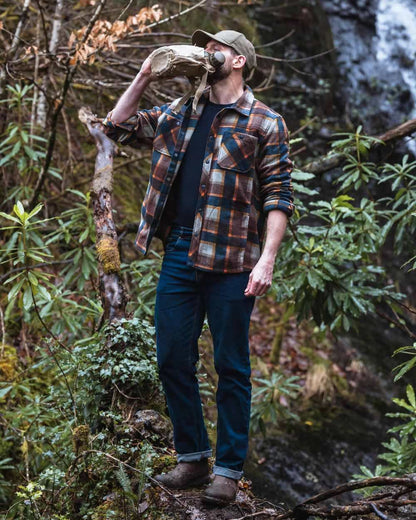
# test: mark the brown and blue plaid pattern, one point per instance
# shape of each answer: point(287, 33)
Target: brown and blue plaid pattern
point(246, 173)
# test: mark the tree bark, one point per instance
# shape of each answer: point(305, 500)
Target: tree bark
point(332, 160)
point(112, 291)
point(41, 111)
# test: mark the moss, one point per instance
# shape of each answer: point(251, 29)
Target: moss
point(8, 363)
point(80, 437)
point(108, 254)
point(163, 464)
point(103, 511)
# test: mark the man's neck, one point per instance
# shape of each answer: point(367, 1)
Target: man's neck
point(226, 91)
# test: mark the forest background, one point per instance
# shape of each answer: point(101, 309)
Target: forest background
point(82, 419)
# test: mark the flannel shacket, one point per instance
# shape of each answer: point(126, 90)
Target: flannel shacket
point(245, 174)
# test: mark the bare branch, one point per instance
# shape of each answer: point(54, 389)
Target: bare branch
point(275, 42)
point(294, 60)
point(19, 28)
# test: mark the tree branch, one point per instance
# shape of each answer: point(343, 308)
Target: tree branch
point(294, 60)
point(307, 508)
point(332, 160)
point(112, 291)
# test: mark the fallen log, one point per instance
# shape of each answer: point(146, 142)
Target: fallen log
point(112, 291)
point(334, 159)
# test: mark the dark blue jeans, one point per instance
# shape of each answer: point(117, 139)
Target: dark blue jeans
point(184, 296)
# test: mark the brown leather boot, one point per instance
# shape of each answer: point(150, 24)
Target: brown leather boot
point(186, 475)
point(221, 492)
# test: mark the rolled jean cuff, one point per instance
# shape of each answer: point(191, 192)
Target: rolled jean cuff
point(227, 472)
point(193, 457)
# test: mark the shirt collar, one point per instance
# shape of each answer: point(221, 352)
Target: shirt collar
point(242, 105)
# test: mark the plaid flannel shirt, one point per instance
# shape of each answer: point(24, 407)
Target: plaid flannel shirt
point(245, 174)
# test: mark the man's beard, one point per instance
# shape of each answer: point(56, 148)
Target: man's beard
point(219, 74)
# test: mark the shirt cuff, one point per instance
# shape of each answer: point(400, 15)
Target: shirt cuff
point(282, 205)
point(107, 121)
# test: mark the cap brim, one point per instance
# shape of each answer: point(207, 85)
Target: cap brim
point(201, 38)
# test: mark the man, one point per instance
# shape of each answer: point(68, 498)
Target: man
point(216, 175)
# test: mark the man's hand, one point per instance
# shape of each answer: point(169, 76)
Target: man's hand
point(260, 279)
point(146, 70)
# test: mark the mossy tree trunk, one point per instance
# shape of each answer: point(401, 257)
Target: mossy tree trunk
point(112, 291)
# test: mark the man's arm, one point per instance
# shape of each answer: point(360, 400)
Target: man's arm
point(127, 104)
point(261, 276)
point(124, 124)
point(273, 169)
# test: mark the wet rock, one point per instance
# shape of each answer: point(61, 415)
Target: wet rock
point(363, 11)
point(297, 465)
point(370, 41)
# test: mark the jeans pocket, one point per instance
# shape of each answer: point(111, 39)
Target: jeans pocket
point(171, 243)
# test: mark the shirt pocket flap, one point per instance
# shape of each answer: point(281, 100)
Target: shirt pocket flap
point(237, 151)
point(167, 134)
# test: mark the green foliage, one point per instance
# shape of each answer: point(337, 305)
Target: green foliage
point(402, 178)
point(144, 274)
point(119, 361)
point(270, 400)
point(39, 440)
point(379, 471)
point(404, 367)
point(31, 287)
point(76, 230)
point(329, 269)
point(21, 149)
point(332, 267)
point(355, 147)
point(400, 457)
point(401, 454)
point(24, 250)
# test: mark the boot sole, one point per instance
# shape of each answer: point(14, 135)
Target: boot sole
point(212, 501)
point(195, 483)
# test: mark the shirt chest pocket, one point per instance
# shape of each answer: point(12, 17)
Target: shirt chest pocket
point(167, 135)
point(237, 152)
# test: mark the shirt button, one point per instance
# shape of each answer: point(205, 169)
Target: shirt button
point(168, 178)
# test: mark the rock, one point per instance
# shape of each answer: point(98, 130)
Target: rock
point(374, 46)
point(148, 423)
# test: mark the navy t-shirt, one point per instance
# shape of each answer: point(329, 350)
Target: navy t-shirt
point(186, 185)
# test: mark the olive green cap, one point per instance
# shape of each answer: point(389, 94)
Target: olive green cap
point(233, 39)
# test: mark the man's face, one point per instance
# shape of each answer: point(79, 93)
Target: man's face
point(226, 68)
